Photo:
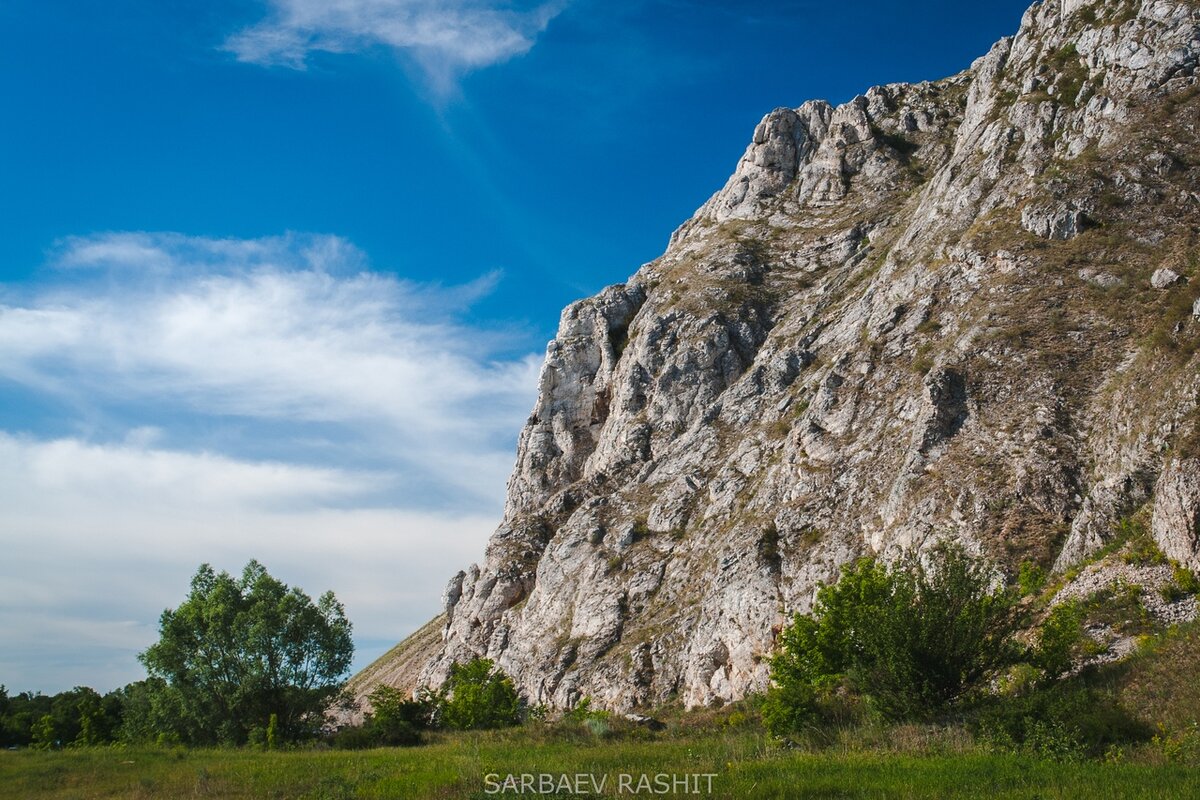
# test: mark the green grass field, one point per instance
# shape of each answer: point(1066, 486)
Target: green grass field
point(745, 764)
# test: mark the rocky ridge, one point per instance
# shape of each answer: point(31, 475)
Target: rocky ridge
point(934, 312)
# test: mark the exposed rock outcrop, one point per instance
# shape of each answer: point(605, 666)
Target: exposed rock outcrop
point(923, 314)
point(1176, 520)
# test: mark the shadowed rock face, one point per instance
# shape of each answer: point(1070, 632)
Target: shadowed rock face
point(1176, 520)
point(925, 314)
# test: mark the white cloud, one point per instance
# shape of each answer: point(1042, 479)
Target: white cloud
point(80, 473)
point(163, 253)
point(286, 330)
point(99, 539)
point(446, 37)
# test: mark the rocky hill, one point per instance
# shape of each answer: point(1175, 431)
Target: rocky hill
point(952, 310)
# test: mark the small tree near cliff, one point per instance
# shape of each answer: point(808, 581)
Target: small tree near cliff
point(239, 652)
point(478, 695)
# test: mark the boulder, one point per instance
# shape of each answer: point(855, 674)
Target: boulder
point(1166, 278)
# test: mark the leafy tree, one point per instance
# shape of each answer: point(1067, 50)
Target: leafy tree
point(45, 736)
point(478, 695)
point(76, 717)
point(138, 721)
point(151, 712)
point(238, 651)
point(80, 717)
point(911, 639)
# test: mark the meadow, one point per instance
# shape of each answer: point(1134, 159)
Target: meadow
point(745, 763)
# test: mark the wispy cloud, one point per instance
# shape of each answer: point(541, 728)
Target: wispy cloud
point(284, 329)
point(447, 38)
point(163, 253)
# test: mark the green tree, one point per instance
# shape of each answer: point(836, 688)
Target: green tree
point(44, 734)
point(478, 695)
point(240, 650)
point(150, 712)
point(910, 639)
point(79, 716)
point(91, 724)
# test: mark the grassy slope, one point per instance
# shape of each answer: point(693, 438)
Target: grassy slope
point(1162, 681)
point(399, 666)
point(747, 766)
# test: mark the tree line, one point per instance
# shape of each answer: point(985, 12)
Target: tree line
point(248, 660)
point(243, 659)
point(477, 696)
point(80, 716)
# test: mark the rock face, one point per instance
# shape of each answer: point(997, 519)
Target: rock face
point(1176, 520)
point(1165, 278)
point(924, 314)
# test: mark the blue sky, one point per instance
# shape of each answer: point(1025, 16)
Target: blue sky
point(276, 275)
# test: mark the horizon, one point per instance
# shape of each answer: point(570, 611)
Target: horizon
point(275, 283)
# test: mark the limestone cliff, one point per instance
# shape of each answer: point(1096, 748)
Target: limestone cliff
point(960, 309)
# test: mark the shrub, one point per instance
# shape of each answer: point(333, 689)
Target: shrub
point(1119, 605)
point(910, 639)
point(1185, 579)
point(397, 720)
point(1171, 592)
point(1179, 747)
point(1183, 584)
point(790, 706)
point(1061, 722)
point(354, 737)
point(1030, 579)
point(1060, 637)
point(1020, 679)
point(582, 712)
point(1143, 550)
point(478, 695)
